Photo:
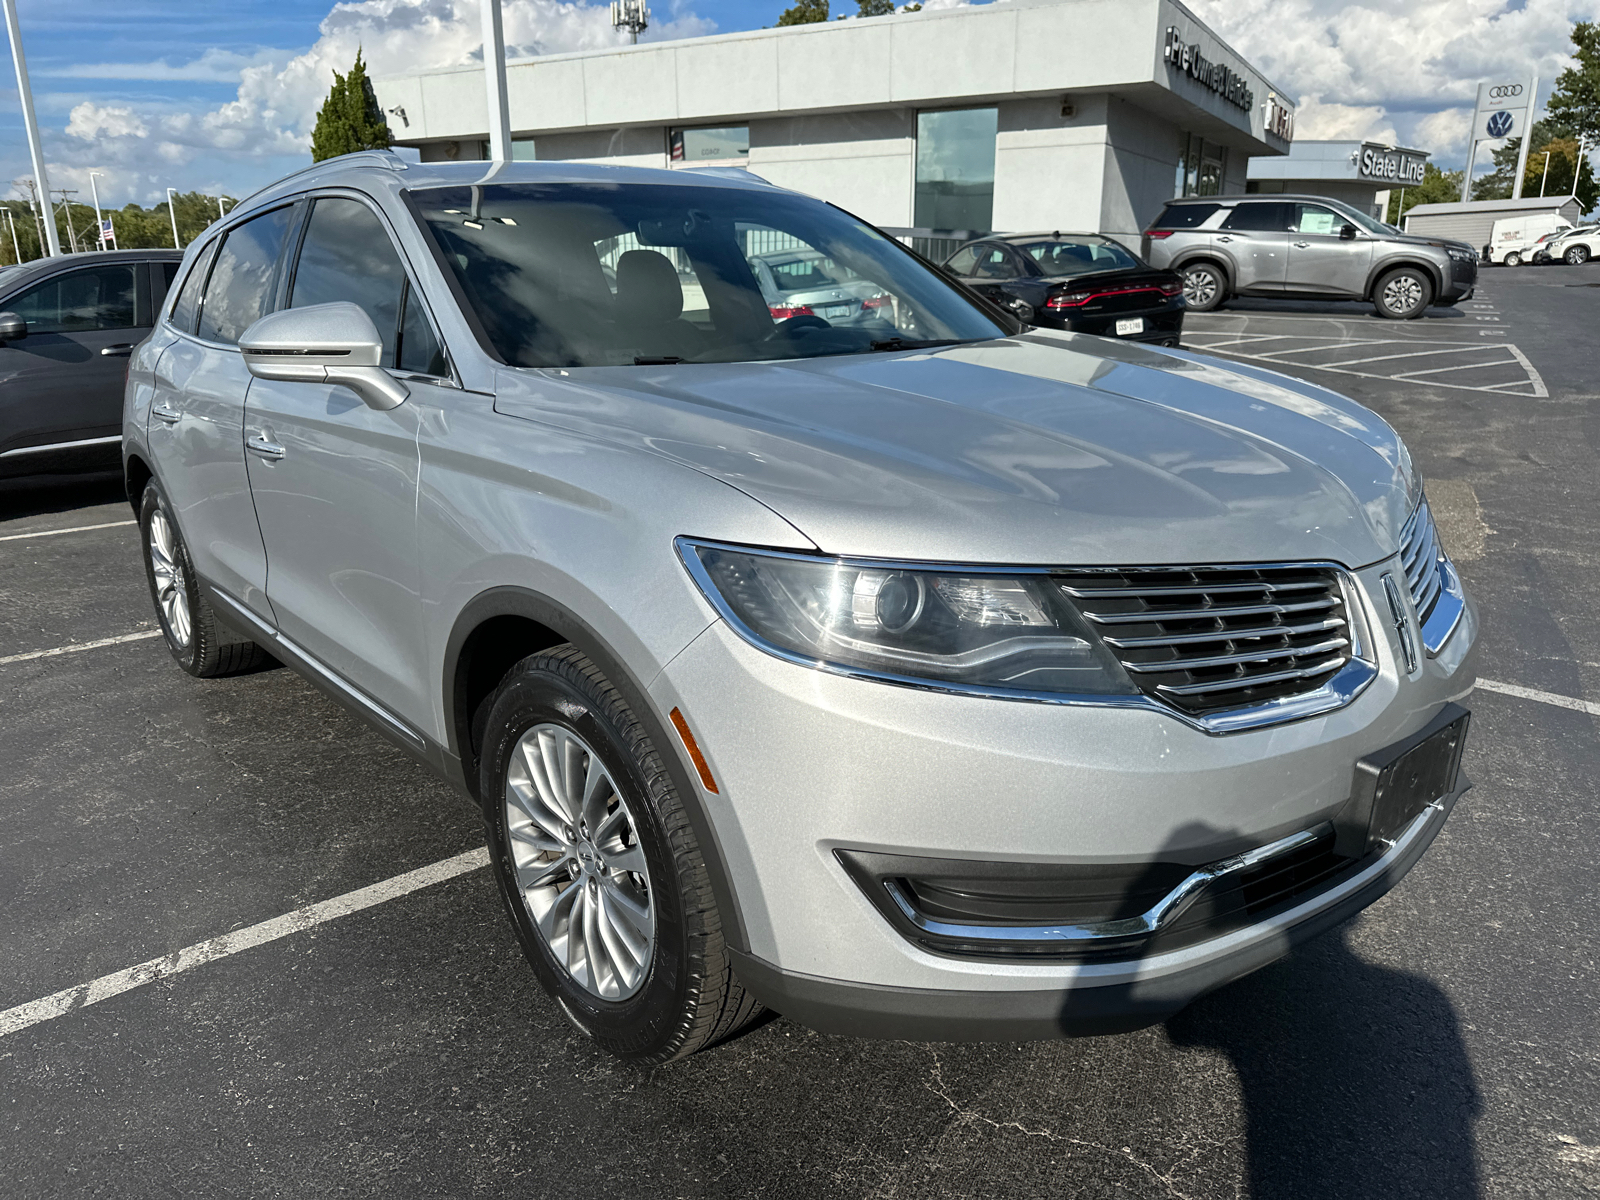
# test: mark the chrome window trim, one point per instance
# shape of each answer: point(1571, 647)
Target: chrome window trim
point(1163, 912)
point(1348, 683)
point(99, 441)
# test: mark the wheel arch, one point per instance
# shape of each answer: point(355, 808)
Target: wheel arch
point(1431, 270)
point(503, 625)
point(1210, 258)
point(136, 476)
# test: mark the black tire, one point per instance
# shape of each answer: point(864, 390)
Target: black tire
point(1513, 259)
point(207, 648)
point(1403, 294)
point(1205, 286)
point(1576, 256)
point(687, 996)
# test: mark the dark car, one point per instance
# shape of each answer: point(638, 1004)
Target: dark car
point(1077, 281)
point(67, 326)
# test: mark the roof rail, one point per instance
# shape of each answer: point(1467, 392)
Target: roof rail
point(386, 159)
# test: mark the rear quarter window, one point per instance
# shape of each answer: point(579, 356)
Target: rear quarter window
point(1184, 216)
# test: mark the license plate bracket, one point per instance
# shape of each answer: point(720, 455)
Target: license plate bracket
point(1130, 325)
point(1396, 783)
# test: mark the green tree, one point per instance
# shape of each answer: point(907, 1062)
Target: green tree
point(1575, 101)
point(1556, 136)
point(804, 12)
point(875, 8)
point(136, 228)
point(1437, 187)
point(351, 119)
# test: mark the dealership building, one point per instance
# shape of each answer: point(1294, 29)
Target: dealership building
point(1015, 115)
point(1362, 174)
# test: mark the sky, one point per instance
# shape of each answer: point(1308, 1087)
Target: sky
point(221, 96)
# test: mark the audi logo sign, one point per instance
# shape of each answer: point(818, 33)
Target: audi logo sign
point(1505, 91)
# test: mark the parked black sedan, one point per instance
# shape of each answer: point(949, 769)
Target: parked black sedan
point(67, 326)
point(1077, 281)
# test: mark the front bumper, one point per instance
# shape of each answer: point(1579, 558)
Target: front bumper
point(808, 763)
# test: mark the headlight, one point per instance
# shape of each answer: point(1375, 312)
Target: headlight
point(957, 625)
point(1460, 255)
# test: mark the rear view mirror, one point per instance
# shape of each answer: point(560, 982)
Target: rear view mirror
point(12, 327)
point(1347, 232)
point(323, 343)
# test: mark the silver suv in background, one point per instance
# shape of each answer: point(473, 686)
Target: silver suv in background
point(926, 677)
point(1305, 247)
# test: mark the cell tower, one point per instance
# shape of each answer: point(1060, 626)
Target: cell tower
point(631, 15)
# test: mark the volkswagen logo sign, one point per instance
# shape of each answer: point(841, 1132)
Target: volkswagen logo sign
point(1505, 91)
point(1499, 125)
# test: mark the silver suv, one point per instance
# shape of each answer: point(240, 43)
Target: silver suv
point(924, 677)
point(1307, 247)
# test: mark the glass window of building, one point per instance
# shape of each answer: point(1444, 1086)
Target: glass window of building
point(729, 145)
point(522, 150)
point(955, 168)
point(1202, 169)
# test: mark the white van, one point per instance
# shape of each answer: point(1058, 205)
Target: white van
point(1512, 239)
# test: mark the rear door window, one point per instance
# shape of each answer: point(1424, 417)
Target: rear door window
point(239, 291)
point(81, 301)
point(347, 255)
point(1185, 216)
point(1262, 216)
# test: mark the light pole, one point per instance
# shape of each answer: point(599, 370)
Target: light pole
point(16, 247)
point(1546, 176)
point(494, 77)
point(99, 221)
point(172, 211)
point(220, 213)
point(31, 123)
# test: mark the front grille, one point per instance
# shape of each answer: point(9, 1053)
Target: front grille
point(1204, 639)
point(1420, 554)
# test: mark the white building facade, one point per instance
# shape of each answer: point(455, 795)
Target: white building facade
point(1362, 174)
point(1081, 115)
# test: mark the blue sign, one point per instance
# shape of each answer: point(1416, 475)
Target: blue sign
point(1499, 125)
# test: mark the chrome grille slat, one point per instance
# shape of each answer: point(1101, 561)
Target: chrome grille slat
point(1201, 614)
point(1226, 660)
point(1226, 635)
point(1420, 558)
point(1215, 638)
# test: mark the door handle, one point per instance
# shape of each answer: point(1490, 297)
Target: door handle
point(258, 444)
point(119, 351)
point(1302, 245)
point(170, 415)
point(1224, 238)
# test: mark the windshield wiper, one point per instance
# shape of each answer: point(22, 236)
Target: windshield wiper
point(913, 343)
point(656, 360)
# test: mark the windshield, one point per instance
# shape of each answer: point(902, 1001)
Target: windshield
point(1078, 256)
point(603, 274)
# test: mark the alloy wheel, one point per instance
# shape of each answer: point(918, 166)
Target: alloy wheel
point(1199, 286)
point(1402, 294)
point(1576, 256)
point(171, 594)
point(578, 864)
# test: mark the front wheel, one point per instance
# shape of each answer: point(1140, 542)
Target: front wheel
point(1513, 259)
point(599, 868)
point(1403, 295)
point(1576, 256)
point(1204, 287)
point(199, 642)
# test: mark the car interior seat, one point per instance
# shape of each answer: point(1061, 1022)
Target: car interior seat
point(649, 306)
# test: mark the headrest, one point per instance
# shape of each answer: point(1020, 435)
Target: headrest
point(648, 290)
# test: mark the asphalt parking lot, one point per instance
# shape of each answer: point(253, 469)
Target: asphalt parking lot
point(1444, 1043)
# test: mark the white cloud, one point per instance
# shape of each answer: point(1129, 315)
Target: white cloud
point(214, 66)
point(142, 148)
point(1397, 68)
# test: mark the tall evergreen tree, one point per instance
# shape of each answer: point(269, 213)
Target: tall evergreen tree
point(351, 118)
point(1575, 101)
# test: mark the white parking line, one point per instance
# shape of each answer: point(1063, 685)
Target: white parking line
point(76, 646)
point(1522, 693)
point(85, 994)
point(1502, 362)
point(17, 537)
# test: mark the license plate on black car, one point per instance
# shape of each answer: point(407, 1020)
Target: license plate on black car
point(1397, 783)
point(1130, 325)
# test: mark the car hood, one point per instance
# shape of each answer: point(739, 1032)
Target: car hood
point(1044, 448)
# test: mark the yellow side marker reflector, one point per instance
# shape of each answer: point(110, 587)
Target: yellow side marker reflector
point(693, 747)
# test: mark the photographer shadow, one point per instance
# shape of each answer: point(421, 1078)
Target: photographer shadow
point(1355, 1079)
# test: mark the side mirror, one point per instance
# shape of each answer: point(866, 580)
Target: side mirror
point(12, 327)
point(325, 343)
point(1347, 233)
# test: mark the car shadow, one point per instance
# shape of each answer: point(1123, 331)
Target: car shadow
point(1328, 308)
point(35, 495)
point(1354, 1078)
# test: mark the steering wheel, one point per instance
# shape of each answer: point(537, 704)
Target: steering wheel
point(791, 324)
